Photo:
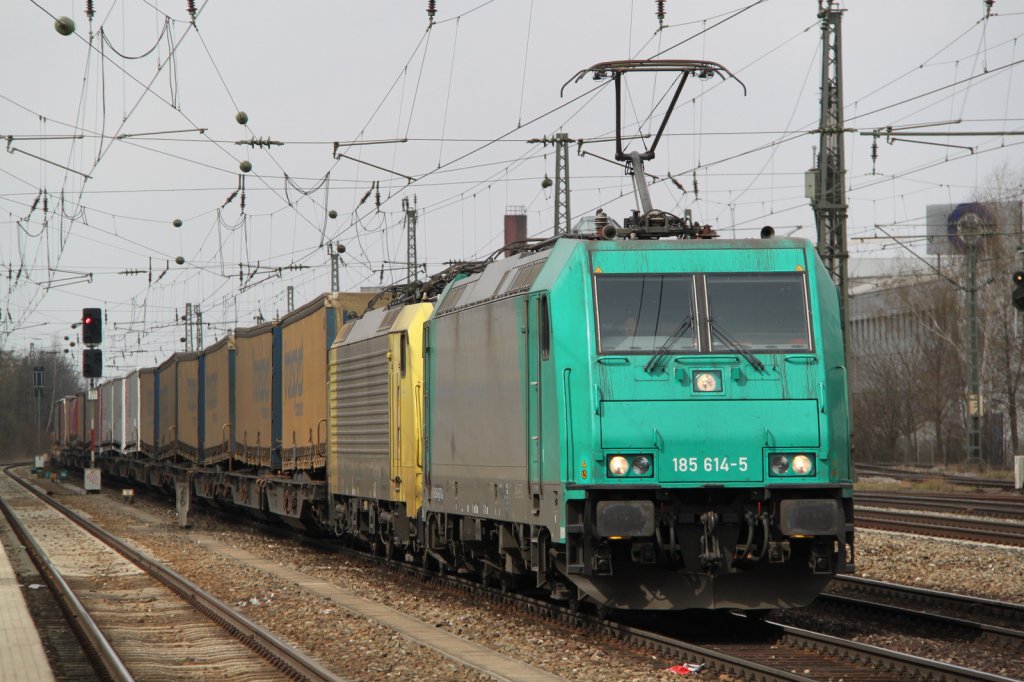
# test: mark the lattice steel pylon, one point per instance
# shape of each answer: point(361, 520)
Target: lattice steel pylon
point(199, 326)
point(188, 327)
point(563, 215)
point(410, 231)
point(335, 273)
point(829, 196)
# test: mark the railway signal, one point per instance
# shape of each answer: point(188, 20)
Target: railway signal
point(1018, 290)
point(92, 363)
point(92, 326)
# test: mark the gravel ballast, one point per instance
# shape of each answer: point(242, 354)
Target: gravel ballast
point(361, 649)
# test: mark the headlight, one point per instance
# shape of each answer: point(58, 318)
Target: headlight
point(791, 464)
point(618, 465)
point(631, 465)
point(802, 465)
point(707, 382)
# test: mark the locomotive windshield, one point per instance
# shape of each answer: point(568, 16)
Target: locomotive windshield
point(759, 311)
point(643, 313)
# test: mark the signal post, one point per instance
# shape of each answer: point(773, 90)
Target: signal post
point(92, 369)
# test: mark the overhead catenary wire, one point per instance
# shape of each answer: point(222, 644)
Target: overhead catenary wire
point(513, 175)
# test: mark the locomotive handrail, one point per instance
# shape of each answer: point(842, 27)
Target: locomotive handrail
point(418, 421)
point(326, 434)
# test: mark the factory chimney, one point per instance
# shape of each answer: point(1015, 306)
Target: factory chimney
point(515, 228)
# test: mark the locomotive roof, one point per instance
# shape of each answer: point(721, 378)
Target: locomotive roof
point(506, 277)
point(516, 274)
point(376, 323)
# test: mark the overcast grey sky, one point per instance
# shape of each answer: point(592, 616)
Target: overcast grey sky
point(466, 94)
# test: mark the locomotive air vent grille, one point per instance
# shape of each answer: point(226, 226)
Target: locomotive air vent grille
point(501, 284)
point(389, 319)
point(524, 277)
point(452, 300)
point(344, 331)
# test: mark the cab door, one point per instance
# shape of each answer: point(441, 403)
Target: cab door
point(537, 350)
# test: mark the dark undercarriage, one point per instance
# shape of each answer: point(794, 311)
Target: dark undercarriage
point(632, 549)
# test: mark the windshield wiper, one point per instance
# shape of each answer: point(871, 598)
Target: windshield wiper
point(655, 361)
point(736, 346)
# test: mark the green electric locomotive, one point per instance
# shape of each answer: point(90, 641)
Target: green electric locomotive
point(645, 424)
point(644, 417)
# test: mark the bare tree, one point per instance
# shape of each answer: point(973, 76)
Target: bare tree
point(19, 434)
point(1003, 359)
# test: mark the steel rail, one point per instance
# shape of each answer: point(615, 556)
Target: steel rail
point(101, 654)
point(874, 470)
point(291, 662)
point(942, 526)
point(893, 661)
point(1007, 634)
point(1012, 506)
point(857, 581)
point(720, 659)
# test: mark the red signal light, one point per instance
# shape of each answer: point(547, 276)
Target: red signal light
point(92, 326)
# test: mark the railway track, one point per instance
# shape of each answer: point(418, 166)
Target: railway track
point(942, 525)
point(749, 649)
point(105, 662)
point(957, 479)
point(1009, 506)
point(899, 616)
point(142, 620)
point(741, 647)
point(68, 660)
point(745, 647)
point(479, 662)
point(1004, 619)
